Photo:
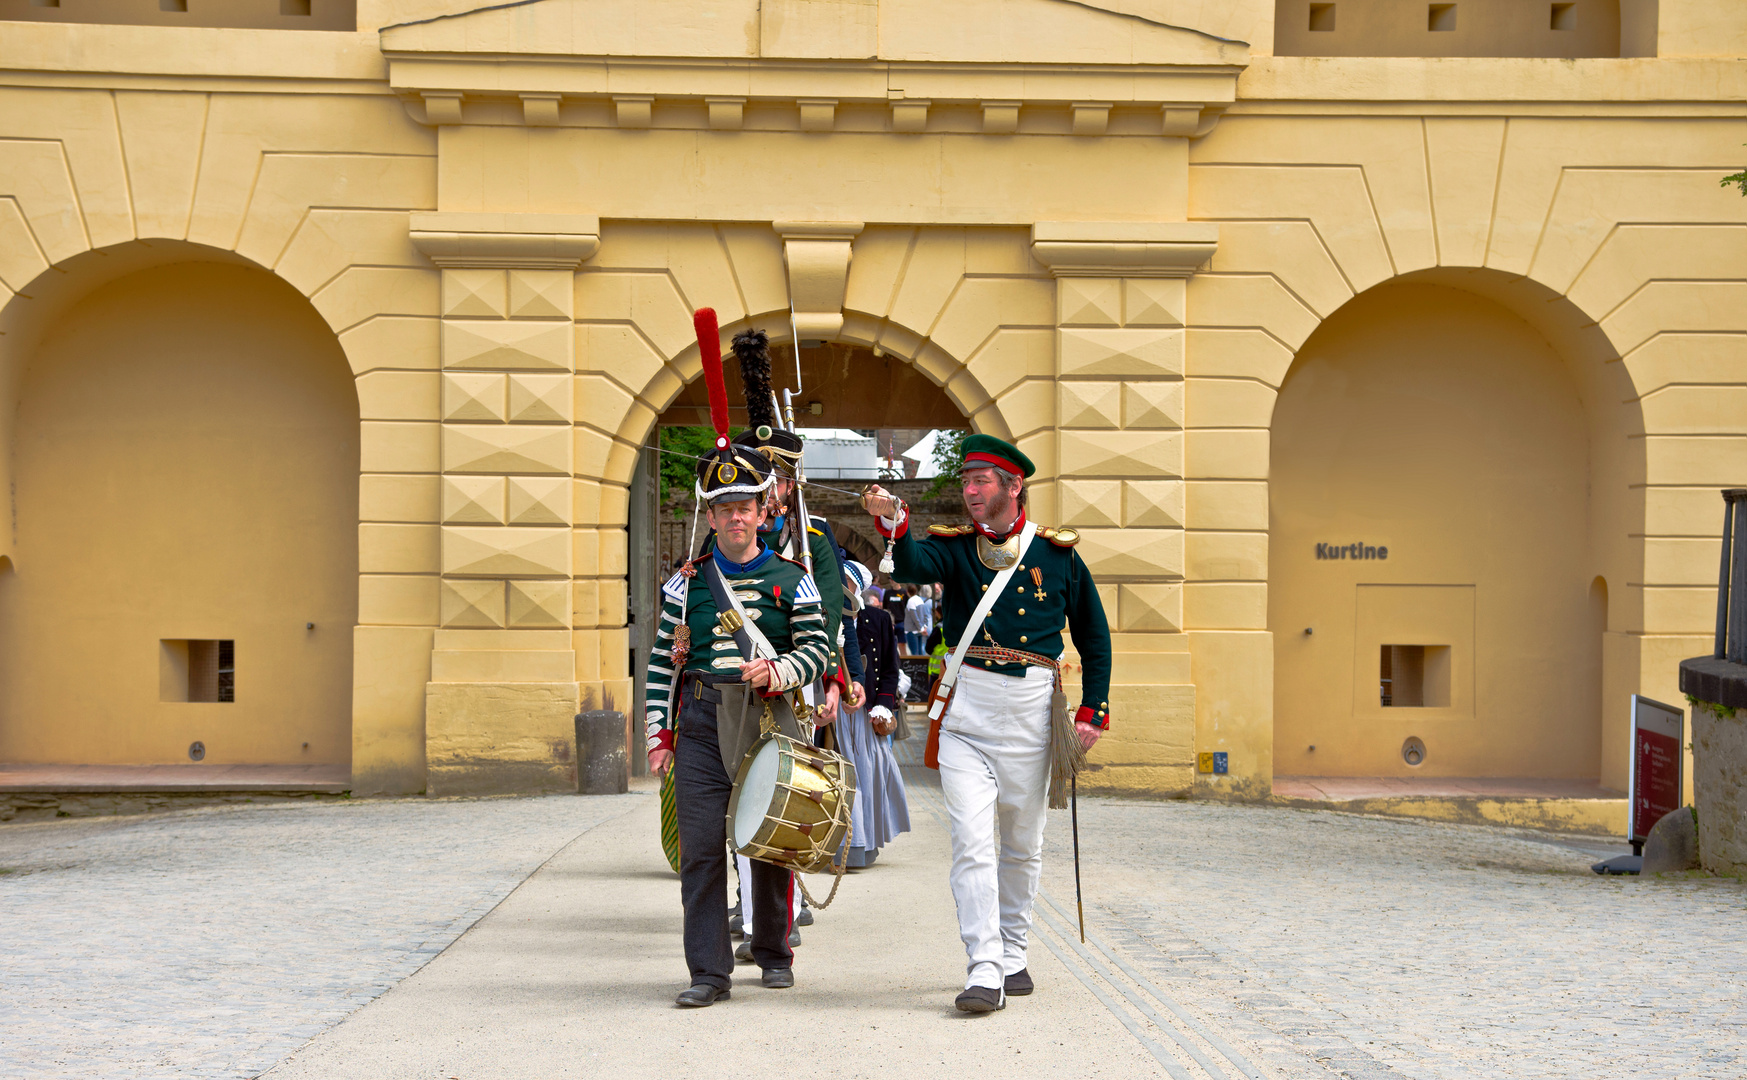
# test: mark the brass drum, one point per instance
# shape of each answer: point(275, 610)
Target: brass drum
point(791, 804)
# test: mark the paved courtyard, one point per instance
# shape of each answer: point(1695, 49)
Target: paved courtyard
point(333, 941)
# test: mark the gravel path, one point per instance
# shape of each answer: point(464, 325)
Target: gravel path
point(1223, 942)
point(212, 943)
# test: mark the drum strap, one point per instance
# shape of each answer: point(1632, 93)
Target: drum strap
point(753, 644)
point(941, 694)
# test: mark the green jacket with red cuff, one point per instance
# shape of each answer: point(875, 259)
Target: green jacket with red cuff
point(1051, 590)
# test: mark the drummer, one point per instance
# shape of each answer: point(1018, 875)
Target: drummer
point(781, 600)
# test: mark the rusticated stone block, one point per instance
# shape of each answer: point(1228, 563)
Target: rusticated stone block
point(505, 551)
point(472, 395)
point(1143, 354)
point(472, 604)
point(473, 500)
point(535, 346)
point(475, 294)
point(541, 605)
point(506, 449)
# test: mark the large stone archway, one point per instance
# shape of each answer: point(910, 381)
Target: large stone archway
point(1446, 490)
point(1066, 339)
point(182, 441)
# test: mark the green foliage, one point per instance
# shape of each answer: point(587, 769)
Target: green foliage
point(949, 458)
point(1721, 712)
point(681, 447)
point(1738, 179)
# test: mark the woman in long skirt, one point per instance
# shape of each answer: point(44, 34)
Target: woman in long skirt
point(881, 809)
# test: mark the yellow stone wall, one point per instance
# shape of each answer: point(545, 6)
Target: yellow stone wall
point(1104, 235)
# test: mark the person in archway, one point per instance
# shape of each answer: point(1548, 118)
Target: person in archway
point(786, 532)
point(703, 744)
point(1011, 587)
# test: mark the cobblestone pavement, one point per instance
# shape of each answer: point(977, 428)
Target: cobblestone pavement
point(1223, 942)
point(212, 943)
point(1320, 943)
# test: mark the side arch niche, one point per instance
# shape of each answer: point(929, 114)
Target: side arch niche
point(1452, 471)
point(183, 444)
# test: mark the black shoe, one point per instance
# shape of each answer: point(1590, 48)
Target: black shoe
point(981, 999)
point(794, 936)
point(744, 953)
point(779, 978)
point(1019, 983)
point(805, 918)
point(700, 995)
point(736, 926)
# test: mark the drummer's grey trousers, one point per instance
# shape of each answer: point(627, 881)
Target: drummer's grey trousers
point(701, 788)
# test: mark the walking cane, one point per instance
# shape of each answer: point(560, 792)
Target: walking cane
point(1074, 812)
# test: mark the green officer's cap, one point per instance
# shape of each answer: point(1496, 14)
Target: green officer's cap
point(986, 451)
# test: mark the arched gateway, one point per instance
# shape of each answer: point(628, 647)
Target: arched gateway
point(892, 204)
point(1119, 239)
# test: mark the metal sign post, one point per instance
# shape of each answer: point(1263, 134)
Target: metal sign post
point(1654, 783)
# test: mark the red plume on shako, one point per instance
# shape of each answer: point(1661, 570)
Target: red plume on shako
point(730, 472)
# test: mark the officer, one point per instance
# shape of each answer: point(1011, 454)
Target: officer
point(995, 734)
point(701, 692)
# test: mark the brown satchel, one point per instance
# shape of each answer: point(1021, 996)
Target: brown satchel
point(931, 755)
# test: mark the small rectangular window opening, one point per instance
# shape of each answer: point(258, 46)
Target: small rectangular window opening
point(1322, 17)
point(172, 5)
point(294, 7)
point(1441, 17)
point(45, 3)
point(1415, 676)
point(1564, 16)
point(200, 670)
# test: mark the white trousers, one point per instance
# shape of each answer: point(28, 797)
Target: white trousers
point(994, 767)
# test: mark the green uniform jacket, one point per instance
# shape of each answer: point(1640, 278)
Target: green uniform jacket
point(827, 575)
point(1021, 618)
point(779, 597)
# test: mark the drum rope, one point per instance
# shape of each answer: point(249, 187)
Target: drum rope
point(837, 869)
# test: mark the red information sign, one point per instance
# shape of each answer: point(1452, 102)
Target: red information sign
point(1656, 763)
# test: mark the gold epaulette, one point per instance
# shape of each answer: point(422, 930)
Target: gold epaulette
point(1059, 537)
point(949, 530)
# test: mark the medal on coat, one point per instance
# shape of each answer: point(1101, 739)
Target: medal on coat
point(998, 557)
point(1037, 580)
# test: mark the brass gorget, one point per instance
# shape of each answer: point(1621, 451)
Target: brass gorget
point(998, 557)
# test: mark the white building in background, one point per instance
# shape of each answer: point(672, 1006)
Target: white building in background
point(842, 454)
point(846, 454)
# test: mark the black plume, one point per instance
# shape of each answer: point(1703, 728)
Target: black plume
point(753, 349)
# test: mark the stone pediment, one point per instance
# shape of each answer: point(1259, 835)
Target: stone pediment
point(629, 63)
point(931, 31)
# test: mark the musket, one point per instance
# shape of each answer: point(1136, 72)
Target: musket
point(787, 413)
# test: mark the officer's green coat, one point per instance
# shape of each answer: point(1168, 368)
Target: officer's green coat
point(1020, 619)
point(780, 599)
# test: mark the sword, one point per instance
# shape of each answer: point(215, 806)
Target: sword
point(1074, 804)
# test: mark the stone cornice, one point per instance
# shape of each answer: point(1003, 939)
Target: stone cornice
point(519, 241)
point(811, 95)
point(1170, 249)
